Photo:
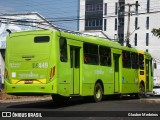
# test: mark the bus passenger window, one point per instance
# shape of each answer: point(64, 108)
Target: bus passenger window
point(105, 56)
point(63, 49)
point(126, 59)
point(134, 59)
point(141, 61)
point(85, 59)
point(90, 54)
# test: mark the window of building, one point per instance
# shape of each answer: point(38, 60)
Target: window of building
point(99, 7)
point(63, 49)
point(105, 24)
point(93, 22)
point(98, 23)
point(147, 23)
point(136, 22)
point(121, 7)
point(116, 8)
point(126, 59)
point(115, 23)
point(148, 6)
point(94, 7)
point(90, 53)
point(105, 9)
point(121, 38)
point(136, 7)
point(105, 56)
point(121, 21)
point(135, 39)
point(147, 39)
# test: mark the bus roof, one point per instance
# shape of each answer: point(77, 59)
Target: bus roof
point(80, 37)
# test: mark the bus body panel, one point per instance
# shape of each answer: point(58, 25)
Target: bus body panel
point(35, 66)
point(28, 62)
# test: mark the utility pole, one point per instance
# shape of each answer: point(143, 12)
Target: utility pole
point(128, 25)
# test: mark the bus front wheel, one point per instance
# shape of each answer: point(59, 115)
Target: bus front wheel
point(98, 92)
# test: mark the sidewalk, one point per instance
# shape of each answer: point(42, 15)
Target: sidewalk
point(150, 100)
point(29, 99)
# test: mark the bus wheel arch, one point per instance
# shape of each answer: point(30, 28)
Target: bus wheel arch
point(98, 91)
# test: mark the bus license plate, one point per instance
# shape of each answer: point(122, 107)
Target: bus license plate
point(28, 82)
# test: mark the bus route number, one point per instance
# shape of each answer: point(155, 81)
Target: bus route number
point(40, 65)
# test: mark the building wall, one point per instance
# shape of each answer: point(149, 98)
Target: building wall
point(82, 15)
point(141, 14)
point(110, 17)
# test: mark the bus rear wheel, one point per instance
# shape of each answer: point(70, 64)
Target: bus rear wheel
point(98, 92)
point(141, 93)
point(142, 90)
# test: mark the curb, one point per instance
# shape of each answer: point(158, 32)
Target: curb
point(150, 100)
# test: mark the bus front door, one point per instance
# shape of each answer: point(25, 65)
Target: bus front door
point(116, 73)
point(75, 66)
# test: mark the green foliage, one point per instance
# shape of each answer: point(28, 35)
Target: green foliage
point(156, 32)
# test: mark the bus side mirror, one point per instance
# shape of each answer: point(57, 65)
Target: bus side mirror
point(155, 66)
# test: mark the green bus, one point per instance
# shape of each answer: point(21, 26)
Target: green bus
point(65, 64)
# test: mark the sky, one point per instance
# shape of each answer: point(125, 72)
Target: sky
point(52, 10)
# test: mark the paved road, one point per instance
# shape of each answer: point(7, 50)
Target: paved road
point(115, 108)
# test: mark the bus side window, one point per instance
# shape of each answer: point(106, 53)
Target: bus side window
point(126, 59)
point(134, 59)
point(90, 53)
point(105, 56)
point(141, 61)
point(63, 49)
point(85, 59)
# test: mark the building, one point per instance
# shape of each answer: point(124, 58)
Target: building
point(123, 20)
point(16, 23)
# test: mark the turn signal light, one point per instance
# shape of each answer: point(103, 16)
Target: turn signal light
point(6, 74)
point(52, 72)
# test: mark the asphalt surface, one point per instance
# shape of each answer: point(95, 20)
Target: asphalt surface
point(87, 110)
point(148, 99)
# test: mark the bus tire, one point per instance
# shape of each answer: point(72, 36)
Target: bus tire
point(142, 90)
point(98, 92)
point(141, 93)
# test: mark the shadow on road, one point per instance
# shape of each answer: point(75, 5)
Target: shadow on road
point(49, 104)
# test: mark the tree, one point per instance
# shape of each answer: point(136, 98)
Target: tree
point(156, 32)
